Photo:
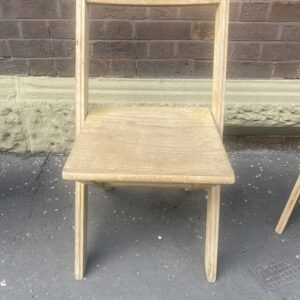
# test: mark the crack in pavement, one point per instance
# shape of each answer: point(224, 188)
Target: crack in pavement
point(36, 185)
point(37, 180)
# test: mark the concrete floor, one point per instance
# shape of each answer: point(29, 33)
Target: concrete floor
point(149, 243)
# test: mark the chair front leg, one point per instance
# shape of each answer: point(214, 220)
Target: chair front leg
point(80, 229)
point(289, 207)
point(212, 232)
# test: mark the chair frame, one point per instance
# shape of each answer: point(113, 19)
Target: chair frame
point(289, 207)
point(217, 109)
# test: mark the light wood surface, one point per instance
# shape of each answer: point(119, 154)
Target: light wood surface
point(217, 108)
point(149, 144)
point(152, 2)
point(212, 233)
point(113, 184)
point(288, 209)
point(80, 229)
point(82, 65)
point(220, 63)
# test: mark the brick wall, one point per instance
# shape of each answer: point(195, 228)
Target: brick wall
point(37, 38)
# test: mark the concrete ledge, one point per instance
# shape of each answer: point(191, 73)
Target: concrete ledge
point(37, 113)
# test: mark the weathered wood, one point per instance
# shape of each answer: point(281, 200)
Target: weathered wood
point(152, 2)
point(220, 63)
point(82, 63)
point(82, 57)
point(80, 229)
point(212, 233)
point(149, 145)
point(288, 209)
point(217, 108)
point(109, 185)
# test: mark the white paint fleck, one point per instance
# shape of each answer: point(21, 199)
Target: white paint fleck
point(159, 237)
point(3, 283)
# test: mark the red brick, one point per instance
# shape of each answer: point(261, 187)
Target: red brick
point(33, 29)
point(245, 51)
point(118, 12)
point(163, 30)
point(162, 50)
point(97, 30)
point(291, 33)
point(119, 30)
point(249, 69)
point(65, 67)
point(277, 52)
point(31, 48)
point(29, 9)
point(206, 12)
point(253, 32)
point(63, 48)
point(254, 11)
point(42, 67)
point(62, 29)
point(160, 13)
point(67, 8)
point(285, 11)
point(99, 67)
point(203, 31)
point(119, 49)
point(202, 69)
point(4, 50)
point(235, 11)
point(13, 66)
point(162, 68)
point(195, 50)
point(123, 68)
point(287, 70)
point(9, 29)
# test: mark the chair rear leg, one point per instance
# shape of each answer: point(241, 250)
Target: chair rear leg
point(80, 229)
point(212, 233)
point(288, 209)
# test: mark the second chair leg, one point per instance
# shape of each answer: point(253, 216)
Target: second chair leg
point(289, 207)
point(212, 233)
point(80, 229)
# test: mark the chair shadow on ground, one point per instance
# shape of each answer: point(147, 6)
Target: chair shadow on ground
point(128, 215)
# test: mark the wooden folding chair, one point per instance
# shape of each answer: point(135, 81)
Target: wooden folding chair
point(289, 207)
point(150, 146)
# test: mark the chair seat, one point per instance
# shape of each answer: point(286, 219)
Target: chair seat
point(171, 145)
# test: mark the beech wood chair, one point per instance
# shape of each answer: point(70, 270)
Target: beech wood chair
point(289, 207)
point(150, 146)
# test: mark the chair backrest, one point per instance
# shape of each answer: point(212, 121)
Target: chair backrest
point(220, 51)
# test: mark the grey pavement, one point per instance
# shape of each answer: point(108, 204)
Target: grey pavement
point(147, 243)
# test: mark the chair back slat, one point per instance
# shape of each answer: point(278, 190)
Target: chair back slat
point(220, 52)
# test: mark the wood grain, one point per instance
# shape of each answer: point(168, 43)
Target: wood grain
point(82, 65)
point(149, 144)
point(153, 2)
point(288, 209)
point(220, 63)
point(212, 233)
point(80, 229)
